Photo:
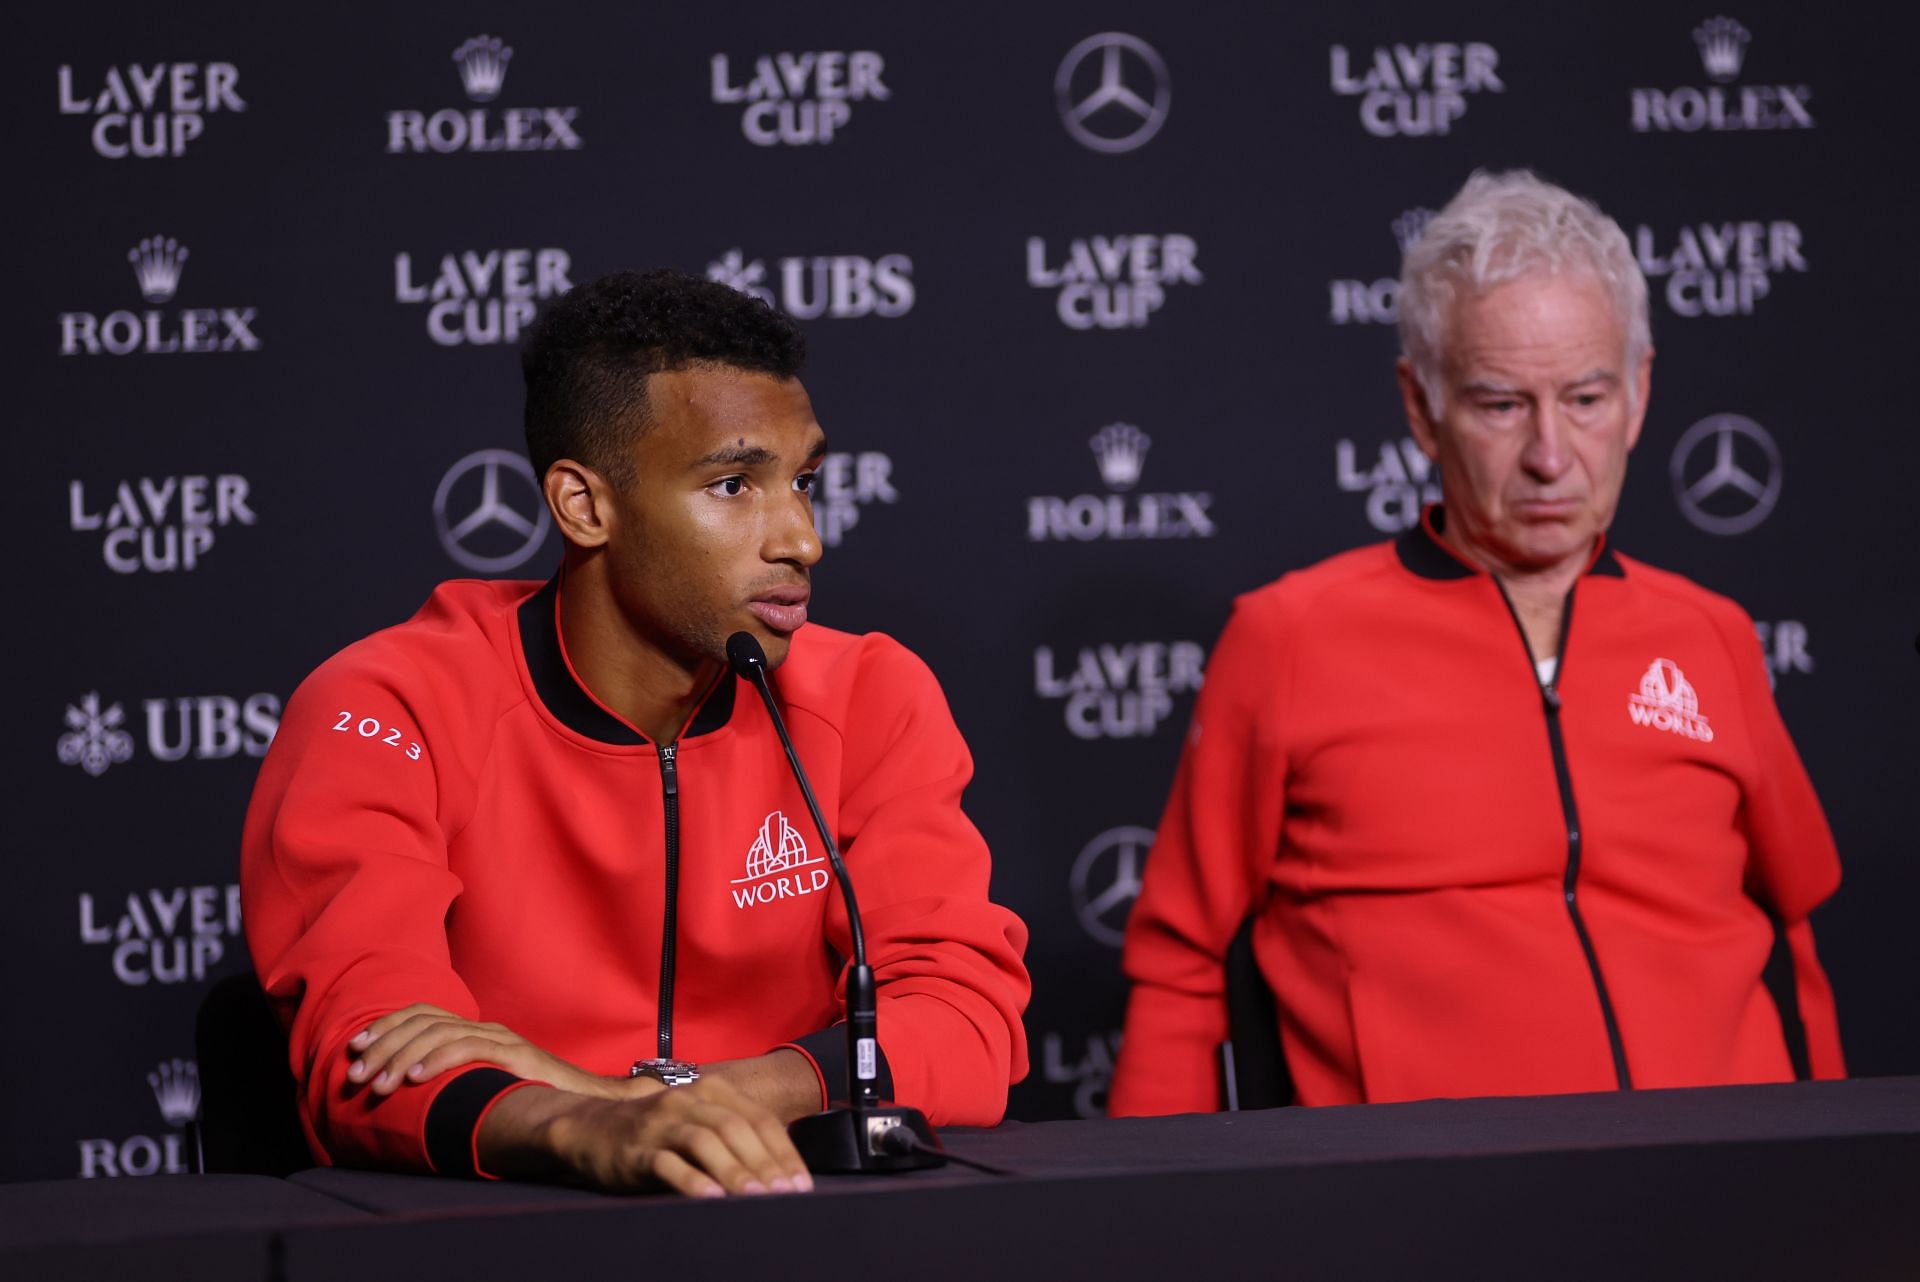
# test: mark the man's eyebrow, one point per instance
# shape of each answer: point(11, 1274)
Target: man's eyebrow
point(744, 455)
point(1595, 376)
point(1484, 387)
point(740, 455)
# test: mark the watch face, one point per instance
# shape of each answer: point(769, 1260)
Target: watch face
point(673, 1072)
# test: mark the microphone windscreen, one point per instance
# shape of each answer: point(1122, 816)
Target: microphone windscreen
point(744, 654)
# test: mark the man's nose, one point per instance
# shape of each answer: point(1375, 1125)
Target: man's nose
point(1549, 450)
point(791, 536)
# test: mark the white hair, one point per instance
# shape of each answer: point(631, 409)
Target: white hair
point(1500, 227)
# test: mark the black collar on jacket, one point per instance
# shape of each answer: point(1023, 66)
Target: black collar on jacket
point(567, 700)
point(1422, 552)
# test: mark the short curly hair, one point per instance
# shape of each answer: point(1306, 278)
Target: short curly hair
point(588, 359)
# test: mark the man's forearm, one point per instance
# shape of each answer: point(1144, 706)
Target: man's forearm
point(515, 1138)
point(782, 1082)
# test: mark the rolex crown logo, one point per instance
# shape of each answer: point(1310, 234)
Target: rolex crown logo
point(483, 66)
point(1723, 47)
point(157, 263)
point(1409, 226)
point(176, 1088)
point(1122, 451)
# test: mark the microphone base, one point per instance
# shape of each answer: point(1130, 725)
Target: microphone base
point(846, 1141)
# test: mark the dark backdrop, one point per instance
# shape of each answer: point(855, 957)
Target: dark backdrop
point(1265, 162)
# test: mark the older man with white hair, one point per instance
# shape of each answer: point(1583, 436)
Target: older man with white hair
point(1507, 812)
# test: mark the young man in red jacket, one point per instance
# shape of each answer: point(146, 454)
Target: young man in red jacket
point(528, 877)
point(1513, 814)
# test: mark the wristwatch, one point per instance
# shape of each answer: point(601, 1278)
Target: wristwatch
point(670, 1072)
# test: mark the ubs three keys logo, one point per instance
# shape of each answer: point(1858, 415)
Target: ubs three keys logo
point(483, 62)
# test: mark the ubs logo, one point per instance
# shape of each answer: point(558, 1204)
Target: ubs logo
point(1113, 92)
point(478, 527)
point(1726, 474)
point(1106, 880)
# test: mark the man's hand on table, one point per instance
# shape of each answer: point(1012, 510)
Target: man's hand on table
point(725, 1133)
point(704, 1140)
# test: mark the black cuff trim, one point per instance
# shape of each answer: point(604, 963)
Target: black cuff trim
point(829, 1050)
point(455, 1115)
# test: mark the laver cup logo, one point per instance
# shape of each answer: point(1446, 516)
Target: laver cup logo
point(1113, 282)
point(159, 524)
point(1417, 90)
point(1720, 269)
point(481, 297)
point(1722, 106)
point(1118, 691)
point(1396, 476)
point(158, 263)
point(798, 99)
point(165, 935)
point(150, 112)
point(482, 63)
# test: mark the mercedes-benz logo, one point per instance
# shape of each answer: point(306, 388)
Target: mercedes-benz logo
point(493, 536)
point(1732, 486)
point(1120, 110)
point(1106, 881)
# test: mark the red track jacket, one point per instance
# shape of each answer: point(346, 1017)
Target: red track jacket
point(448, 816)
point(1469, 884)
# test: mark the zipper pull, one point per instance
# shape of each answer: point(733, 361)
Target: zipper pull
point(1551, 695)
point(669, 778)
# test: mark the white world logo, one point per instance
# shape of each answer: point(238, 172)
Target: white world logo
point(483, 531)
point(1726, 474)
point(1119, 102)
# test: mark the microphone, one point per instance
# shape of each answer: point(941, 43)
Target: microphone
point(869, 1134)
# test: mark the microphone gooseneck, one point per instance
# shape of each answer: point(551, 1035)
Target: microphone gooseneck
point(861, 1136)
point(748, 660)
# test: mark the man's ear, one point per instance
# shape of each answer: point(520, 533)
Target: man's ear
point(581, 502)
point(1419, 414)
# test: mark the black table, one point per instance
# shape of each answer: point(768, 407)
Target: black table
point(1810, 1181)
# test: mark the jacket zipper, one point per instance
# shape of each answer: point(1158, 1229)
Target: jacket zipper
point(1570, 882)
point(670, 790)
